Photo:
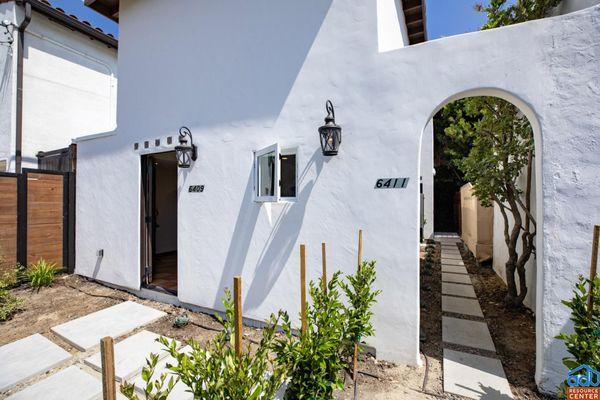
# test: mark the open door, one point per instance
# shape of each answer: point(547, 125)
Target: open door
point(159, 222)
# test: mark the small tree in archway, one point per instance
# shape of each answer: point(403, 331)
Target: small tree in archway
point(502, 150)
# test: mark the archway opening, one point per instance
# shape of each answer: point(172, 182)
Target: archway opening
point(481, 223)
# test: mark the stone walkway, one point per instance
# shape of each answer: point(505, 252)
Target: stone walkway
point(36, 368)
point(467, 373)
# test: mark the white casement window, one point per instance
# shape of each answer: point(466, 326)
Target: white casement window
point(275, 174)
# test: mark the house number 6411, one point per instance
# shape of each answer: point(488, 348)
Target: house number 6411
point(391, 183)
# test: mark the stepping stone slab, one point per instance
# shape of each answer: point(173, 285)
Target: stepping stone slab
point(27, 358)
point(180, 390)
point(474, 376)
point(454, 269)
point(452, 262)
point(450, 258)
point(131, 354)
point(456, 278)
point(455, 289)
point(69, 384)
point(86, 332)
point(459, 305)
point(467, 333)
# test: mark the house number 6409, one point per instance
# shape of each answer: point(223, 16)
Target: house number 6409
point(391, 183)
point(196, 189)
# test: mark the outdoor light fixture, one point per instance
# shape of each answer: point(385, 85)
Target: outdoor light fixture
point(330, 133)
point(185, 153)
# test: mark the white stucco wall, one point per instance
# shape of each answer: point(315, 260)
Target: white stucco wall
point(501, 252)
point(427, 176)
point(569, 6)
point(245, 85)
point(69, 87)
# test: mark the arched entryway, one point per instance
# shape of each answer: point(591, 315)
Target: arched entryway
point(441, 306)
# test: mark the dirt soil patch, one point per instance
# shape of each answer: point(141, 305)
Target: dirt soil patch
point(72, 296)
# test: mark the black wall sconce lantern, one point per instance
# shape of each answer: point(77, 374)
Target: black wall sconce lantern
point(185, 153)
point(330, 133)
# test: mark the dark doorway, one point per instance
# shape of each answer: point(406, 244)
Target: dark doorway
point(159, 221)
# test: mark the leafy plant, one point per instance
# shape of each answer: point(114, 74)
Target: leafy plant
point(584, 343)
point(316, 359)
point(361, 297)
point(501, 14)
point(21, 274)
point(216, 372)
point(158, 389)
point(9, 304)
point(42, 273)
point(502, 150)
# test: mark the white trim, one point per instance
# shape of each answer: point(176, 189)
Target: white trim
point(93, 136)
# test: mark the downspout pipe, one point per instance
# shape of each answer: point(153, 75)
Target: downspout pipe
point(19, 111)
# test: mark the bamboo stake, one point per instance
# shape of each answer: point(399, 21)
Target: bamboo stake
point(593, 267)
point(107, 354)
point(324, 257)
point(303, 288)
point(237, 294)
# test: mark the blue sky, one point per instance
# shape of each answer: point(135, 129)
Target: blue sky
point(76, 7)
point(444, 17)
point(452, 17)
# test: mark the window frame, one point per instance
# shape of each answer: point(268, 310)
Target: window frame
point(286, 152)
point(258, 153)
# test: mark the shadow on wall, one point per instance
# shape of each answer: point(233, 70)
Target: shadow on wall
point(280, 244)
point(230, 74)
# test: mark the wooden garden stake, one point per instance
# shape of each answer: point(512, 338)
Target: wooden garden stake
point(355, 356)
point(359, 249)
point(324, 256)
point(303, 288)
point(107, 353)
point(237, 294)
point(593, 268)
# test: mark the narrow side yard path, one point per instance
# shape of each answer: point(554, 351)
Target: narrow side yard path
point(471, 366)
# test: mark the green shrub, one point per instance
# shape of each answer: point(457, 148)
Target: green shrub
point(584, 343)
point(9, 304)
point(216, 372)
point(41, 274)
point(157, 389)
point(361, 297)
point(316, 359)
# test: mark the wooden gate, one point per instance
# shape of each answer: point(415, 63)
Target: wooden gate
point(37, 218)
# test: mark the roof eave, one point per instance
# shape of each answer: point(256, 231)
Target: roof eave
point(109, 9)
point(72, 23)
point(415, 19)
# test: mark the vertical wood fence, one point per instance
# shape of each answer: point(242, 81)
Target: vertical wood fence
point(37, 218)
